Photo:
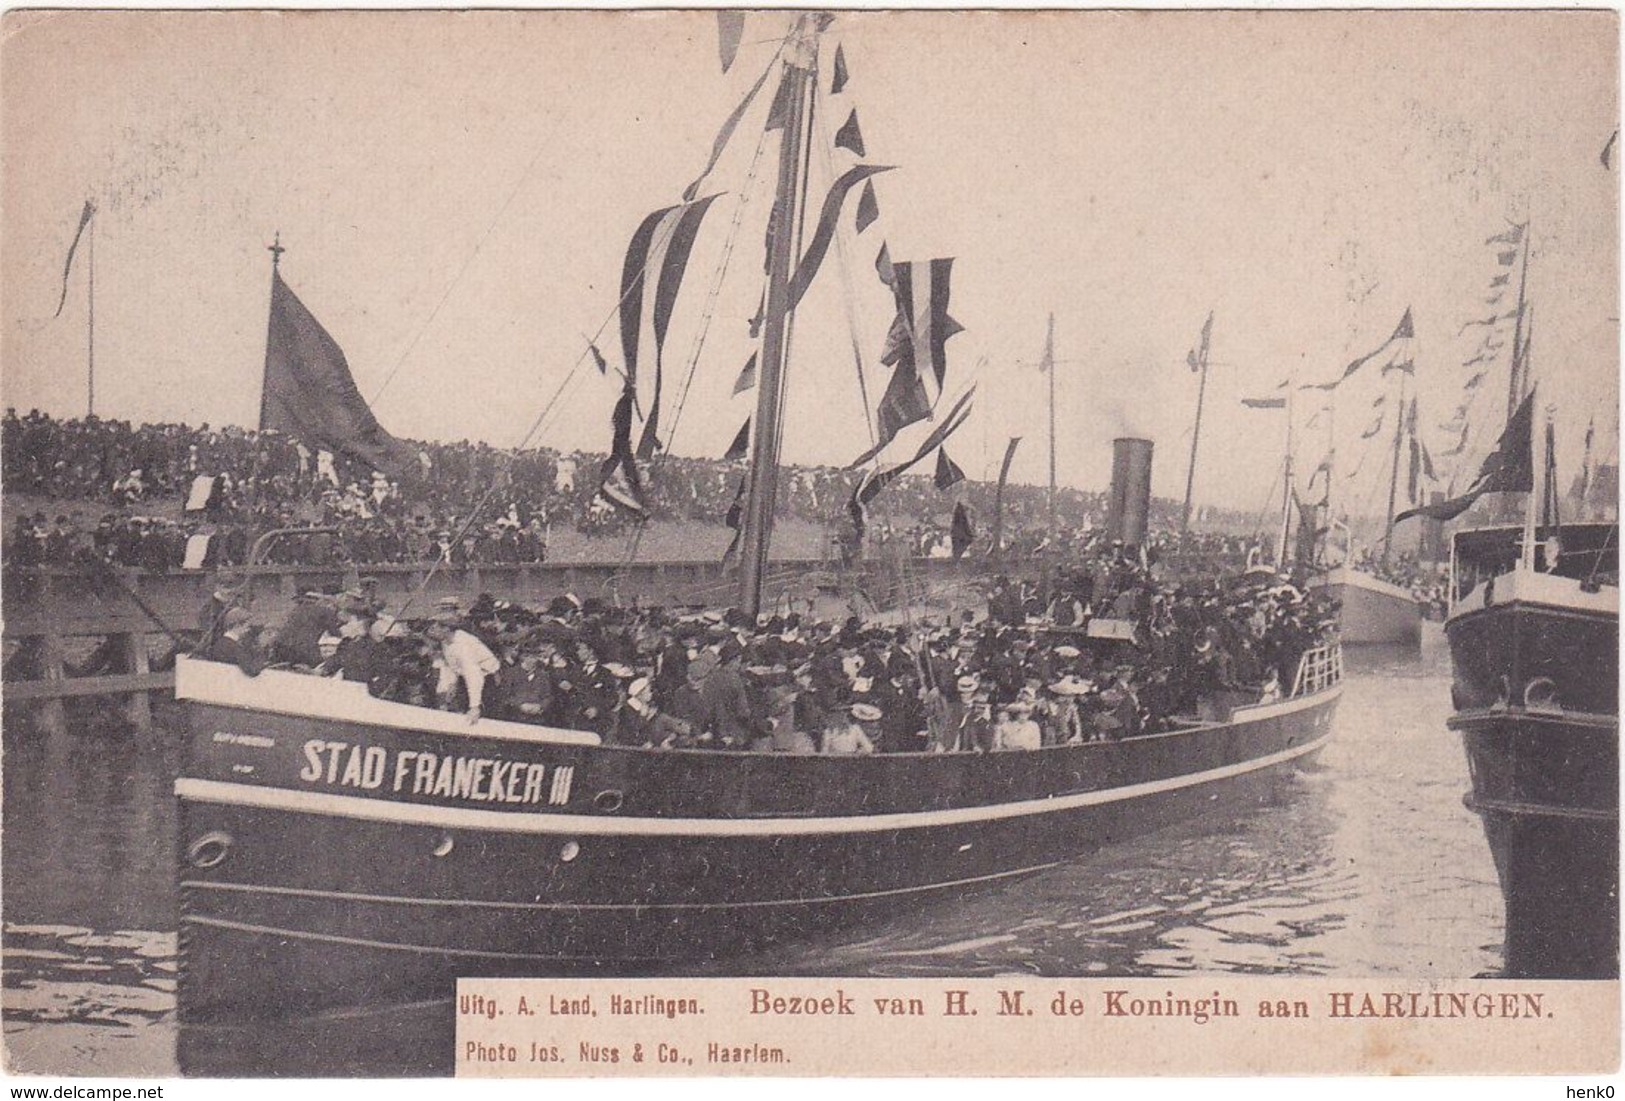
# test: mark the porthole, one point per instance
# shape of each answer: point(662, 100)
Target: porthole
point(570, 851)
point(608, 801)
point(444, 844)
point(210, 850)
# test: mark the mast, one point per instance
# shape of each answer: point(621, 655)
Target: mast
point(90, 349)
point(1049, 347)
point(1393, 474)
point(1286, 486)
point(1517, 381)
point(1196, 430)
point(762, 481)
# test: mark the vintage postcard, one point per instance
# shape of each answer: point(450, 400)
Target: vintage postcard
point(803, 543)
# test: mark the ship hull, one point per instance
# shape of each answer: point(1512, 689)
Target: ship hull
point(1373, 611)
point(298, 895)
point(1536, 703)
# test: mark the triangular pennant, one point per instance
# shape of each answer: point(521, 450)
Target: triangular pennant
point(883, 265)
point(849, 136)
point(948, 472)
point(839, 80)
point(741, 445)
point(730, 28)
point(868, 206)
point(747, 376)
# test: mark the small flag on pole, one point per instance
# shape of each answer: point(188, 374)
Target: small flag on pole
point(84, 220)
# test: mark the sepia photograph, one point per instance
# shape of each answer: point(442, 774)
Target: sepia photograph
point(732, 542)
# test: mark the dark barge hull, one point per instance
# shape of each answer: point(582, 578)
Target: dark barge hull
point(303, 894)
point(1536, 703)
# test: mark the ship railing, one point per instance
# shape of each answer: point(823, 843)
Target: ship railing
point(1318, 670)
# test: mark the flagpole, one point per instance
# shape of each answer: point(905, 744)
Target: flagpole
point(1196, 430)
point(1286, 493)
point(90, 350)
point(1049, 348)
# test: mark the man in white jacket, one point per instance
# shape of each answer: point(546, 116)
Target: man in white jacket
point(463, 658)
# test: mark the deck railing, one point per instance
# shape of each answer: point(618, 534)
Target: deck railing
point(1318, 670)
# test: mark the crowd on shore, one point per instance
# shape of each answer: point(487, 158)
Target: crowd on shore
point(1114, 653)
point(139, 475)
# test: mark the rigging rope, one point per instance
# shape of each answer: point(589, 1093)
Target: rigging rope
point(523, 176)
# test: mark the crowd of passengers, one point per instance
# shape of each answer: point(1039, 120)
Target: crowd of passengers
point(1114, 653)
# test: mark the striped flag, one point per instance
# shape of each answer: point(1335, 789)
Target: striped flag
point(662, 244)
point(915, 348)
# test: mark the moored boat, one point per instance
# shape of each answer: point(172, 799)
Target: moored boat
point(1535, 647)
point(341, 848)
point(1373, 610)
point(336, 849)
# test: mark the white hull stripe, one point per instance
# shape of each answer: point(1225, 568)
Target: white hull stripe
point(418, 814)
point(631, 907)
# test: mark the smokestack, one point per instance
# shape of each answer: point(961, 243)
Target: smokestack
point(1129, 511)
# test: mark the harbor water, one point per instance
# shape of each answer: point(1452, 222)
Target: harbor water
point(1366, 864)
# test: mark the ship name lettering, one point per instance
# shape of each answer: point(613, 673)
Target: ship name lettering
point(477, 779)
point(838, 1004)
point(363, 766)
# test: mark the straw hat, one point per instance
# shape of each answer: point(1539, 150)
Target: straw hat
point(866, 712)
point(1070, 685)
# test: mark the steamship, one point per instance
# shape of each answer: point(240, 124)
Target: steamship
point(1534, 640)
point(341, 848)
point(336, 848)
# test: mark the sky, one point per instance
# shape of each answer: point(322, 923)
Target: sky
point(456, 193)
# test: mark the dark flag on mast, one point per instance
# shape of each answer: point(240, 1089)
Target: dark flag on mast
point(960, 532)
point(1507, 469)
point(619, 482)
point(310, 394)
point(948, 472)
